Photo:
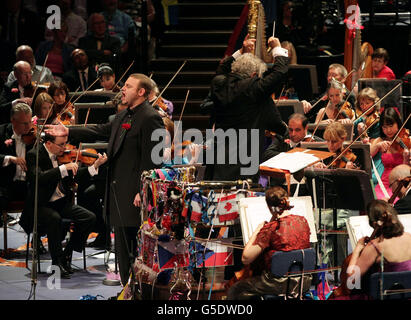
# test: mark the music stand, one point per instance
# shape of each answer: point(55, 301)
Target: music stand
point(99, 112)
point(339, 189)
point(349, 128)
point(288, 107)
point(303, 78)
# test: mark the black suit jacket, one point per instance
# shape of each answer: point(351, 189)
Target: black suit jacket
point(7, 173)
point(89, 44)
point(404, 205)
point(72, 79)
point(128, 156)
point(48, 179)
point(244, 103)
point(10, 92)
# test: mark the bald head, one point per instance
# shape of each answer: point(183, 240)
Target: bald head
point(22, 72)
point(399, 172)
point(25, 53)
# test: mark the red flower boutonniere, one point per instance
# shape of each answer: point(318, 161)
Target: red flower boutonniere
point(126, 126)
point(8, 142)
point(14, 90)
point(287, 141)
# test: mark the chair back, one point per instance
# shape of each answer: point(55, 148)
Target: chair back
point(283, 262)
point(390, 281)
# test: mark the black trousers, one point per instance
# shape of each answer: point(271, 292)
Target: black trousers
point(126, 248)
point(50, 219)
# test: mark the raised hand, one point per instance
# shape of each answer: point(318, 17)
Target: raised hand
point(57, 130)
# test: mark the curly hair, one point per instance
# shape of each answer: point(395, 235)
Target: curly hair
point(247, 65)
point(380, 211)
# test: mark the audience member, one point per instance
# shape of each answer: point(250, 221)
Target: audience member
point(77, 27)
point(98, 44)
point(25, 53)
point(56, 51)
point(82, 75)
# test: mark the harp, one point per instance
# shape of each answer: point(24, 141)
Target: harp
point(357, 55)
point(256, 29)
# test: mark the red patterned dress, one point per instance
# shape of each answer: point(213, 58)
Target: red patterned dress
point(288, 233)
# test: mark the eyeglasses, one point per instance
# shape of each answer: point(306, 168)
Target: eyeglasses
point(61, 145)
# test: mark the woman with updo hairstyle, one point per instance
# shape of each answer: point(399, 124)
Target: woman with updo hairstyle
point(284, 232)
point(107, 78)
point(390, 243)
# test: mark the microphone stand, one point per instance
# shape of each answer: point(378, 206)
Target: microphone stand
point(35, 220)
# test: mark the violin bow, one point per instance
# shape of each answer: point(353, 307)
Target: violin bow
point(125, 72)
point(171, 80)
point(41, 75)
point(399, 130)
point(82, 94)
point(317, 125)
point(181, 114)
point(348, 147)
point(45, 120)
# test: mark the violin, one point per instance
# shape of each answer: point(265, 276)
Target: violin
point(66, 117)
point(344, 111)
point(178, 150)
point(401, 183)
point(161, 104)
point(71, 154)
point(30, 137)
point(402, 142)
point(348, 156)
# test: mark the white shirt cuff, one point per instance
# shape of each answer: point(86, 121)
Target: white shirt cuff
point(237, 54)
point(6, 161)
point(92, 170)
point(63, 171)
point(279, 52)
point(14, 102)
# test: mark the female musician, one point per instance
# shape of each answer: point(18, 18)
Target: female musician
point(335, 93)
point(365, 99)
point(390, 241)
point(391, 153)
point(58, 90)
point(178, 154)
point(335, 135)
point(41, 109)
point(107, 78)
point(284, 232)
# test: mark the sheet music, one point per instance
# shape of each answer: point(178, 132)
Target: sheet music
point(254, 210)
point(292, 162)
point(359, 227)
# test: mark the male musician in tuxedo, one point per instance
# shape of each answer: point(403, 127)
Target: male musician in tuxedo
point(129, 154)
point(242, 103)
point(297, 133)
point(403, 205)
point(82, 75)
point(13, 92)
point(25, 53)
point(13, 150)
point(55, 199)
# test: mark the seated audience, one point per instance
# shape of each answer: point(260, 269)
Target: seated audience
point(82, 75)
point(98, 44)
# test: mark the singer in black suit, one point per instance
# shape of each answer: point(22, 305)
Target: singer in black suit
point(13, 150)
point(129, 154)
point(55, 200)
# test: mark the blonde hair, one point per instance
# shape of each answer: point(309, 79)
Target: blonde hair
point(335, 131)
point(342, 70)
point(368, 93)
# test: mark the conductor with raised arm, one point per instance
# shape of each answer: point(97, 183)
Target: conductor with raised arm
point(129, 154)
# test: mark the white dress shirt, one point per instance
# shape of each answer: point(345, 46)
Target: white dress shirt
point(20, 153)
